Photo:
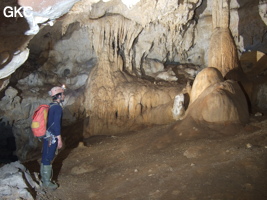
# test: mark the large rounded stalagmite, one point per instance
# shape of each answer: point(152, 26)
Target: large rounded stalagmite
point(218, 101)
point(207, 77)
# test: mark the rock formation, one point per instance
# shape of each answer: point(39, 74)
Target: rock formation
point(206, 78)
point(117, 102)
point(255, 67)
point(217, 101)
point(212, 99)
point(222, 50)
point(16, 182)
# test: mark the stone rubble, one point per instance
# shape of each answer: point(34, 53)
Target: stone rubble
point(16, 182)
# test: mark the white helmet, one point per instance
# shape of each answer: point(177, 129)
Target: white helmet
point(56, 90)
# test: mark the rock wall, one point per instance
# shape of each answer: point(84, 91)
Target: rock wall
point(254, 65)
point(60, 62)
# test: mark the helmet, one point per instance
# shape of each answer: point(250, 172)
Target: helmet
point(56, 90)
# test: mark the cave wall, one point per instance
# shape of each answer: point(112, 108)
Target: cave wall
point(100, 50)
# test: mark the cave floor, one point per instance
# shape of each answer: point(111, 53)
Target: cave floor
point(158, 163)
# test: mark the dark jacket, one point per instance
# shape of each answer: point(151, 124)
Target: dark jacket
point(54, 119)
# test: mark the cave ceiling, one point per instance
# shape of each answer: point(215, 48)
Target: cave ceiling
point(190, 19)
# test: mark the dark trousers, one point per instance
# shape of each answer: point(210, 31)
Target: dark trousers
point(49, 151)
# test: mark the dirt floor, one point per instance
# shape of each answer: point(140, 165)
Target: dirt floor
point(181, 161)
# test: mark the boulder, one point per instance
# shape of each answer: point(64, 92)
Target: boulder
point(16, 182)
point(254, 63)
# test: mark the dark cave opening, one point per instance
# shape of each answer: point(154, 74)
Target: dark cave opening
point(7, 144)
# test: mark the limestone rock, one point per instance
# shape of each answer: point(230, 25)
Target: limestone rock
point(14, 182)
point(11, 92)
point(44, 12)
point(117, 102)
point(155, 69)
point(261, 96)
point(168, 75)
point(220, 14)
point(4, 83)
point(214, 100)
point(255, 69)
point(166, 30)
point(178, 109)
point(254, 63)
point(151, 67)
point(204, 79)
point(262, 10)
point(222, 51)
point(17, 60)
point(184, 71)
point(222, 102)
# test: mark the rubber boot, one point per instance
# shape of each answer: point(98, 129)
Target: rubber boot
point(42, 172)
point(47, 172)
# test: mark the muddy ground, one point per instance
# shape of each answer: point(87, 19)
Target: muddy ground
point(180, 161)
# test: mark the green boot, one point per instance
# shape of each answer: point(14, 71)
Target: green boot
point(42, 172)
point(46, 176)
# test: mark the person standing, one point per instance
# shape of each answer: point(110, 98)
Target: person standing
point(54, 141)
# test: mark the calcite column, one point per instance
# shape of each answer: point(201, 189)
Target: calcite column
point(222, 51)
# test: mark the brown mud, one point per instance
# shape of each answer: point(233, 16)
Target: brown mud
point(172, 162)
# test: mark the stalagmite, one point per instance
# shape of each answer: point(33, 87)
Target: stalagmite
point(217, 101)
point(212, 99)
point(222, 51)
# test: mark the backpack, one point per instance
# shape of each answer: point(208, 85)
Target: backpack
point(39, 120)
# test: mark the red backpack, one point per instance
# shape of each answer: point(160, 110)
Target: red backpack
point(39, 120)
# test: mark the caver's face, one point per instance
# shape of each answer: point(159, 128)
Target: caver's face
point(62, 97)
